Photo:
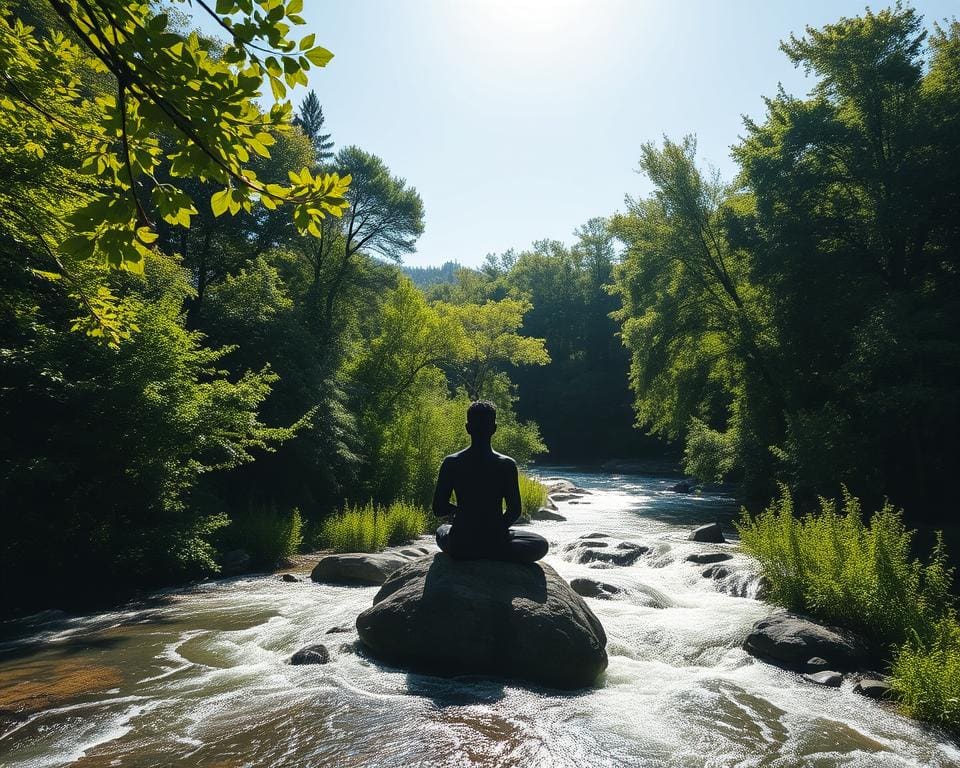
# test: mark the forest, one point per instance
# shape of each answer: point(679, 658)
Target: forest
point(186, 365)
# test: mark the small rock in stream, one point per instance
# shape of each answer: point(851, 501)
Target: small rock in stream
point(716, 572)
point(289, 578)
point(827, 677)
point(593, 588)
point(703, 558)
point(545, 513)
point(585, 551)
point(874, 689)
point(817, 664)
point(338, 630)
point(312, 654)
point(710, 533)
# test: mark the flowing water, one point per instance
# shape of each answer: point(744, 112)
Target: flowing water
point(199, 676)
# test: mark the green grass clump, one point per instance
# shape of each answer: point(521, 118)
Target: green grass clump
point(371, 527)
point(533, 495)
point(858, 575)
point(834, 567)
point(926, 675)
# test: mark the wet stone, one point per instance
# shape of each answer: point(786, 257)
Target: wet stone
point(289, 578)
point(312, 654)
point(827, 677)
point(716, 572)
point(874, 689)
point(545, 513)
point(710, 533)
point(593, 588)
point(703, 558)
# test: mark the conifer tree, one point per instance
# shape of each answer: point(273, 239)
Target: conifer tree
point(310, 119)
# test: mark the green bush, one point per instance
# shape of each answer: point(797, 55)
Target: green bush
point(270, 537)
point(926, 674)
point(859, 575)
point(371, 528)
point(533, 495)
point(836, 568)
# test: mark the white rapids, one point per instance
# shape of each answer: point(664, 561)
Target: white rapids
point(202, 678)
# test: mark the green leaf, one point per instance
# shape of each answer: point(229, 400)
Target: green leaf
point(319, 56)
point(308, 42)
point(220, 201)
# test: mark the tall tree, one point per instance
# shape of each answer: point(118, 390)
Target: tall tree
point(310, 119)
point(385, 219)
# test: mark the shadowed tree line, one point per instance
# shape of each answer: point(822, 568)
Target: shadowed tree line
point(245, 371)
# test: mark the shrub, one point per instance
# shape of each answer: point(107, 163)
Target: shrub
point(370, 528)
point(926, 675)
point(533, 495)
point(268, 536)
point(843, 571)
point(837, 568)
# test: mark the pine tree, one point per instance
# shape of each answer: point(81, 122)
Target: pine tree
point(310, 119)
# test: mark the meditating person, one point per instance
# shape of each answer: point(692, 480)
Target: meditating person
point(482, 479)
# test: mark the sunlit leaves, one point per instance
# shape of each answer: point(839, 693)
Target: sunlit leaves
point(161, 96)
point(491, 339)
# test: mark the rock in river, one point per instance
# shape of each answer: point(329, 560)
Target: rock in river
point(588, 549)
point(710, 533)
point(312, 654)
point(594, 588)
point(826, 677)
point(512, 620)
point(545, 513)
point(708, 557)
point(361, 567)
point(792, 640)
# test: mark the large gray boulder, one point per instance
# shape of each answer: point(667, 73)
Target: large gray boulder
point(360, 567)
point(791, 640)
point(512, 620)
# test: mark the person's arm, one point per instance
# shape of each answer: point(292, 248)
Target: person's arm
point(441, 496)
point(511, 493)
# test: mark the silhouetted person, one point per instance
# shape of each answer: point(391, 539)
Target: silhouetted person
point(482, 479)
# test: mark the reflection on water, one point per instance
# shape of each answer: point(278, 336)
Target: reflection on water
point(199, 677)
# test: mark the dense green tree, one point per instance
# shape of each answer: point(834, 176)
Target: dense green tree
point(798, 325)
point(105, 453)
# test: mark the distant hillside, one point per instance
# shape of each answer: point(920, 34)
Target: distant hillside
point(424, 277)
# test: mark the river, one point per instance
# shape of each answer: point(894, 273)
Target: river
point(198, 676)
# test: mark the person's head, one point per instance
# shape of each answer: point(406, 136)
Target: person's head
point(481, 419)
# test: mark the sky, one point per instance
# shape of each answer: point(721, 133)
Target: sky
point(518, 120)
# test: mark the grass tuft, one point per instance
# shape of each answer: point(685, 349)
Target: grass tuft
point(371, 528)
point(533, 495)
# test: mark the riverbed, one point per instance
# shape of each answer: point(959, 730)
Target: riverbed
point(199, 676)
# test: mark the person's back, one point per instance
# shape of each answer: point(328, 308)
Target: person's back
point(482, 481)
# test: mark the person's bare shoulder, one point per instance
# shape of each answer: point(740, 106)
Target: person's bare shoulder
point(506, 462)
